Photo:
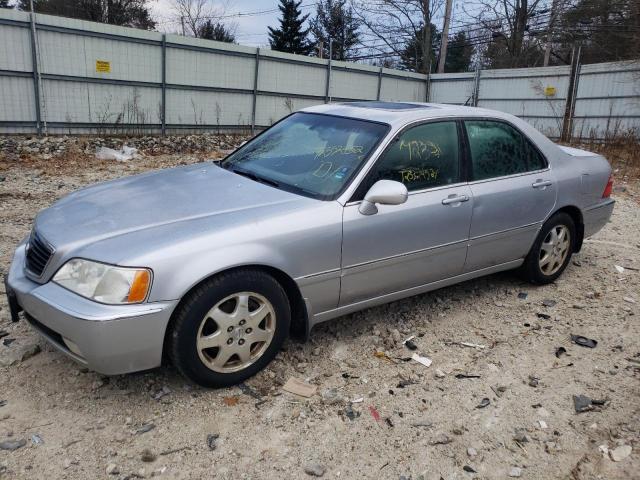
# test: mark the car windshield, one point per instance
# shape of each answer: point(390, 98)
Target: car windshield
point(311, 154)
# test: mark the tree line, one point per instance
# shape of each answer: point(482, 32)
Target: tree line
point(406, 34)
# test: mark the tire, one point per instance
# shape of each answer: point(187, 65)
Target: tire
point(540, 269)
point(242, 315)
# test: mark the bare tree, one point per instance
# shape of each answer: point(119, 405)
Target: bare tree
point(394, 24)
point(194, 14)
point(508, 23)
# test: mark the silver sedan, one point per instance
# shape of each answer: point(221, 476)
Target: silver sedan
point(333, 209)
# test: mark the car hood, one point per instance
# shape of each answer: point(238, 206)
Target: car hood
point(151, 200)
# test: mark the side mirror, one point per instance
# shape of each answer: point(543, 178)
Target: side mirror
point(384, 192)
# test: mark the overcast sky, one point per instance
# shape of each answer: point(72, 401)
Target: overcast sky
point(251, 28)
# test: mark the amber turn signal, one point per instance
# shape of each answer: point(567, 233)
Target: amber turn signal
point(139, 286)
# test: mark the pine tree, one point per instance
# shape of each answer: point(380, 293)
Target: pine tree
point(412, 58)
point(216, 31)
point(335, 21)
point(4, 4)
point(290, 37)
point(459, 53)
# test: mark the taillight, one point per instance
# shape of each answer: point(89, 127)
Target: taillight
point(608, 188)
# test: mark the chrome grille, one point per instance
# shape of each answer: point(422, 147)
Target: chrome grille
point(38, 254)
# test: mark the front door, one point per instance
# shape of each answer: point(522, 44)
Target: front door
point(420, 241)
point(513, 193)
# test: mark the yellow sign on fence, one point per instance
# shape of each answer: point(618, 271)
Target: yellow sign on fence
point(549, 91)
point(102, 66)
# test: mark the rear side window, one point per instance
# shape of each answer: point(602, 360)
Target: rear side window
point(497, 150)
point(422, 157)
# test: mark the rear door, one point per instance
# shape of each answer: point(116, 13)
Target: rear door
point(420, 241)
point(513, 193)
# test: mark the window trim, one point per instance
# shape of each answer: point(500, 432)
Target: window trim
point(469, 160)
point(462, 171)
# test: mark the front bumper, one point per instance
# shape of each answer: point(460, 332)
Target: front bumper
point(110, 339)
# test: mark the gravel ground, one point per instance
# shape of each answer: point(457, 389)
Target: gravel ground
point(412, 422)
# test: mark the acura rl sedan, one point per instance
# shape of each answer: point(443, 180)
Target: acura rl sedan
point(333, 209)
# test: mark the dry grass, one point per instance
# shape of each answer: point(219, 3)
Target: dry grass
point(622, 151)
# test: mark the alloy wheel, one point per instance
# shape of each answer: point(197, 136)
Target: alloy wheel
point(554, 249)
point(236, 332)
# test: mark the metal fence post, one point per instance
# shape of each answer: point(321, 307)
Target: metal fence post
point(476, 88)
point(569, 109)
point(255, 92)
point(163, 112)
point(327, 96)
point(36, 72)
point(379, 82)
point(428, 87)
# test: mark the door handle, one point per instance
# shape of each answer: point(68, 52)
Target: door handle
point(455, 199)
point(541, 183)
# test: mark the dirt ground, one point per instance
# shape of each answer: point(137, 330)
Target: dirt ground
point(413, 421)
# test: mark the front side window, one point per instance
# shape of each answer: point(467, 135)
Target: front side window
point(424, 156)
point(498, 149)
point(311, 154)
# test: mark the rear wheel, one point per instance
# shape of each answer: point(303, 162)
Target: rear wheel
point(229, 328)
point(551, 252)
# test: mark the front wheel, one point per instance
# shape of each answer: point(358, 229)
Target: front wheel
point(551, 252)
point(229, 328)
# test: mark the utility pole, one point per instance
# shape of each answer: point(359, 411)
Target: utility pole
point(445, 36)
point(552, 19)
point(320, 49)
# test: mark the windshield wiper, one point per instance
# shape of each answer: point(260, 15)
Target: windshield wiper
point(256, 178)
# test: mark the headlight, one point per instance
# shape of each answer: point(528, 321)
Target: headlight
point(104, 283)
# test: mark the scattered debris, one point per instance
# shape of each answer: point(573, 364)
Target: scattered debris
point(12, 444)
point(499, 389)
point(331, 396)
point(440, 439)
point(549, 303)
point(299, 387)
point(523, 295)
point(211, 440)
point(544, 316)
point(112, 469)
point(17, 353)
point(420, 359)
point(467, 375)
point(36, 439)
point(469, 469)
point(582, 403)
point(422, 423)
point(439, 373)
point(410, 345)
point(584, 341)
point(350, 413)
point(247, 390)
point(542, 424)
point(521, 435)
point(533, 381)
point(3, 403)
point(314, 469)
point(163, 392)
point(374, 413)
point(472, 452)
point(122, 155)
point(628, 299)
point(147, 427)
point(560, 351)
point(619, 269)
point(484, 403)
point(4, 333)
point(473, 345)
point(620, 453)
point(231, 401)
point(147, 456)
point(515, 472)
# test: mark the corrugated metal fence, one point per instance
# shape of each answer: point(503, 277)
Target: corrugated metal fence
point(60, 75)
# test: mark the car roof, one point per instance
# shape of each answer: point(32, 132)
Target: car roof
point(401, 113)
